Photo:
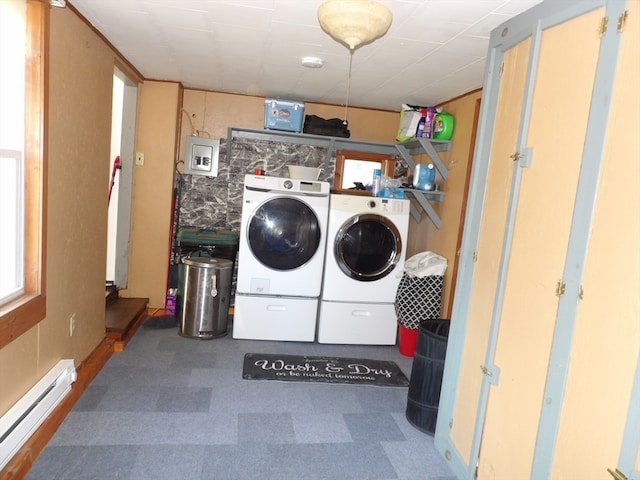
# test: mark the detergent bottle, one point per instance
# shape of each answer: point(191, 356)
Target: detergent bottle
point(443, 126)
point(376, 182)
point(424, 176)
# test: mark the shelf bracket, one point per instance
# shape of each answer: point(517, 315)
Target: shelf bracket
point(425, 145)
point(428, 147)
point(329, 154)
point(406, 156)
point(415, 213)
point(426, 206)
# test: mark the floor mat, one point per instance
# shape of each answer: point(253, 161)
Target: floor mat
point(298, 368)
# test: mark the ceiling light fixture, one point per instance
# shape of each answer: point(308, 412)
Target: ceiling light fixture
point(312, 62)
point(354, 22)
point(58, 3)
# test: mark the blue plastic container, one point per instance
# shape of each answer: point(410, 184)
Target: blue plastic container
point(424, 176)
point(284, 115)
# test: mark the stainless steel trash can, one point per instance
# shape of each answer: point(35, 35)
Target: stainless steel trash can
point(205, 303)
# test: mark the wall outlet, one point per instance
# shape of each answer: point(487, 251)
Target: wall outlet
point(139, 158)
point(72, 324)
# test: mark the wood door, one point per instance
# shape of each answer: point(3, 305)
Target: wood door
point(563, 83)
point(489, 246)
point(606, 343)
point(518, 230)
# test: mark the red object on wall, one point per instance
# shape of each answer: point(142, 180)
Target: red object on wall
point(116, 166)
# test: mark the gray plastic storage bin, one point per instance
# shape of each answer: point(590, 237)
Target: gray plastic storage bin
point(205, 302)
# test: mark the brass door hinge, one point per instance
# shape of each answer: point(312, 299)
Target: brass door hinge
point(617, 474)
point(602, 28)
point(622, 21)
point(524, 158)
point(492, 372)
point(560, 288)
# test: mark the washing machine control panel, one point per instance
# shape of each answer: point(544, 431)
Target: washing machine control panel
point(386, 205)
point(311, 187)
point(288, 184)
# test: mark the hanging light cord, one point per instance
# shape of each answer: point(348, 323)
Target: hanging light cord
point(346, 105)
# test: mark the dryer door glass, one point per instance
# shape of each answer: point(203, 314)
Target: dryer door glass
point(367, 247)
point(283, 233)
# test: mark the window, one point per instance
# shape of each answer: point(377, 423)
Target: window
point(12, 60)
point(353, 166)
point(11, 245)
point(22, 165)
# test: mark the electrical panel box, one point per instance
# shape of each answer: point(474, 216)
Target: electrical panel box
point(201, 156)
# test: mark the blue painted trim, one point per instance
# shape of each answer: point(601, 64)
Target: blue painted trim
point(507, 241)
point(457, 331)
point(577, 247)
point(631, 436)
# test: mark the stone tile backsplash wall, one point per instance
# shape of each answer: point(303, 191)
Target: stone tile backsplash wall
point(216, 202)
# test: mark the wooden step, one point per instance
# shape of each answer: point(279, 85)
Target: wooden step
point(111, 294)
point(123, 317)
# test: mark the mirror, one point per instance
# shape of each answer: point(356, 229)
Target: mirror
point(353, 166)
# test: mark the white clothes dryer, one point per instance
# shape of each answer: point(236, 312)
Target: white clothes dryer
point(366, 249)
point(283, 233)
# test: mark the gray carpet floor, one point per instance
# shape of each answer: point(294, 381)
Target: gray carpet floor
point(170, 407)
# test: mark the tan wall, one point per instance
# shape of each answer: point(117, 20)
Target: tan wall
point(424, 236)
point(215, 111)
point(158, 106)
point(210, 114)
point(79, 129)
point(364, 124)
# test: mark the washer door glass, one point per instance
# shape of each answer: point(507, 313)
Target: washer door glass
point(283, 233)
point(367, 247)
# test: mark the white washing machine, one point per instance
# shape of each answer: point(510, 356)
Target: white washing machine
point(366, 249)
point(283, 234)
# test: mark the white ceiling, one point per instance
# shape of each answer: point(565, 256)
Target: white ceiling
point(435, 50)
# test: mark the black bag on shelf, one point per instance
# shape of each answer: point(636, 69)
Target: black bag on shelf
point(333, 127)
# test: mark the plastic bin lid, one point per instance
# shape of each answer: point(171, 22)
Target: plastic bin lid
point(205, 236)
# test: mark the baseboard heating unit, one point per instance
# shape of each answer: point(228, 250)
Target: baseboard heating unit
point(22, 420)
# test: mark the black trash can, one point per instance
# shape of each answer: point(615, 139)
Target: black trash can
point(426, 375)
